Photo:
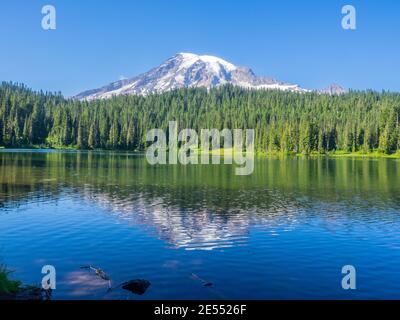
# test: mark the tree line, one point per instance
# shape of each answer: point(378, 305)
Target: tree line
point(362, 121)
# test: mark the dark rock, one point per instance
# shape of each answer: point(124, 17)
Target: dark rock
point(138, 286)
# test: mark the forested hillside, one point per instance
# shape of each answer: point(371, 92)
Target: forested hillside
point(284, 121)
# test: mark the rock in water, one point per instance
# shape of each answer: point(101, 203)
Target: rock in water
point(138, 286)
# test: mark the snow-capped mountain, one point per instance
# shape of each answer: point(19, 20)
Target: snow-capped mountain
point(187, 70)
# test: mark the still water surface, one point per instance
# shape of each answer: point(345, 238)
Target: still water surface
point(283, 232)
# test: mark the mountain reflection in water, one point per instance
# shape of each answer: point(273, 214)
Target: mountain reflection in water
point(292, 216)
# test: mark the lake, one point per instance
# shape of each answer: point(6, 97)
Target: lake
point(284, 232)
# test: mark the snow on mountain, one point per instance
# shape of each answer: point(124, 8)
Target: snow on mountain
point(187, 70)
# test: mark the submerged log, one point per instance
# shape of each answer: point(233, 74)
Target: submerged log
point(100, 273)
point(204, 282)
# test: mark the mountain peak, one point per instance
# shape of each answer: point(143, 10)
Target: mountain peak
point(187, 70)
point(213, 61)
point(333, 89)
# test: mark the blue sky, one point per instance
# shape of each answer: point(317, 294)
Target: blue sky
point(97, 42)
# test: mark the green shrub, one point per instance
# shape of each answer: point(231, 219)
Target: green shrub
point(8, 286)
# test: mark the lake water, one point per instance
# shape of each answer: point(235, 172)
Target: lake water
point(284, 232)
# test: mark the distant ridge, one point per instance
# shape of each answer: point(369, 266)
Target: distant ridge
point(334, 89)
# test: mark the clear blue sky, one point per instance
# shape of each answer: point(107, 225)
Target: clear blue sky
point(302, 42)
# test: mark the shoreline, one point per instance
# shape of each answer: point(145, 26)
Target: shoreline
point(220, 152)
point(11, 289)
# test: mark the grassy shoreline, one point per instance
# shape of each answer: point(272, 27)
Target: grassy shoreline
point(8, 287)
point(221, 152)
point(15, 290)
point(335, 154)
